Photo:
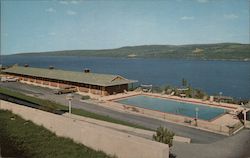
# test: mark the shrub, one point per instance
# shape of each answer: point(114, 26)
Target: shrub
point(163, 135)
point(85, 97)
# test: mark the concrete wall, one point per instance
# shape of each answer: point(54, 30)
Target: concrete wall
point(97, 137)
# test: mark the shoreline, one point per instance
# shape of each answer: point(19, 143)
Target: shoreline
point(127, 57)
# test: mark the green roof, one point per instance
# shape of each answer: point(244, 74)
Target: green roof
point(72, 76)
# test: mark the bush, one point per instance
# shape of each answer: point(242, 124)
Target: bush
point(163, 135)
point(85, 97)
point(156, 89)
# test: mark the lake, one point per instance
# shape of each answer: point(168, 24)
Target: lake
point(232, 78)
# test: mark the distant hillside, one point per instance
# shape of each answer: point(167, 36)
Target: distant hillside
point(221, 51)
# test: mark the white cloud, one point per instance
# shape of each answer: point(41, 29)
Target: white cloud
point(187, 18)
point(202, 1)
point(70, 12)
point(74, 2)
point(50, 10)
point(52, 33)
point(69, 2)
point(64, 2)
point(231, 16)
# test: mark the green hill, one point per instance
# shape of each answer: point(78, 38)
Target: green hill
point(220, 51)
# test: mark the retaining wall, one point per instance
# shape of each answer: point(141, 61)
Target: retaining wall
point(96, 137)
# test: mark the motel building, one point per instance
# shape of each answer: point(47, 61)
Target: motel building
point(86, 81)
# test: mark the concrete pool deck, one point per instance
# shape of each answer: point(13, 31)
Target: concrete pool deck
point(175, 98)
point(225, 124)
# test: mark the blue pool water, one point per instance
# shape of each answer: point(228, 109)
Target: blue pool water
point(174, 107)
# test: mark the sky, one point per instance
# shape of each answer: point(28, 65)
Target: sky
point(40, 25)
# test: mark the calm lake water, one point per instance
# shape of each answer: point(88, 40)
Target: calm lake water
point(232, 78)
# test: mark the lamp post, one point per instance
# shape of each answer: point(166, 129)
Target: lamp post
point(70, 97)
point(245, 117)
point(244, 114)
point(220, 96)
point(196, 115)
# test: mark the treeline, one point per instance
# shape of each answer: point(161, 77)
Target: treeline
point(220, 51)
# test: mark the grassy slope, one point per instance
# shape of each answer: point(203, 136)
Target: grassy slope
point(47, 105)
point(197, 51)
point(20, 138)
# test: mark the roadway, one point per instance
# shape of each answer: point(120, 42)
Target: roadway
point(204, 144)
point(197, 136)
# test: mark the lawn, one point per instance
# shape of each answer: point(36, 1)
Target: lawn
point(51, 106)
point(21, 138)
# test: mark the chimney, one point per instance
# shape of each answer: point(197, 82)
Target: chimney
point(51, 67)
point(86, 70)
point(26, 65)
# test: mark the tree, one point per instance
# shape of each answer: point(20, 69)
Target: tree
point(163, 135)
point(184, 82)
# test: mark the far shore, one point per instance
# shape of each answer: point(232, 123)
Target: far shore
point(129, 57)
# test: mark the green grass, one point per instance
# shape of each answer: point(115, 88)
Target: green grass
point(50, 106)
point(44, 104)
point(21, 138)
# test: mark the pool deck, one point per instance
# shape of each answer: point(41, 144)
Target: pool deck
point(174, 98)
point(225, 124)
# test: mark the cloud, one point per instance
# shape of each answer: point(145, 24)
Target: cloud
point(202, 1)
point(69, 2)
point(231, 16)
point(50, 10)
point(52, 33)
point(64, 2)
point(187, 18)
point(70, 12)
point(74, 2)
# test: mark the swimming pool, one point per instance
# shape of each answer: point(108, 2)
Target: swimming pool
point(174, 107)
